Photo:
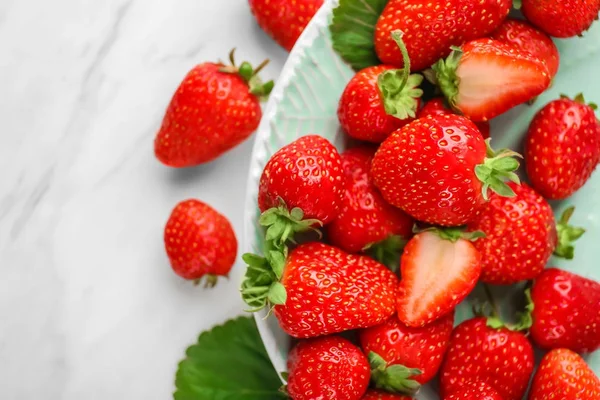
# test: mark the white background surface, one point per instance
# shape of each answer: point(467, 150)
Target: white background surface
point(89, 308)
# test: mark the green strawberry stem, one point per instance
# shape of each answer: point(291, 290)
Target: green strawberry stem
point(387, 251)
point(250, 75)
point(567, 234)
point(393, 378)
point(399, 89)
point(282, 224)
point(452, 234)
point(498, 168)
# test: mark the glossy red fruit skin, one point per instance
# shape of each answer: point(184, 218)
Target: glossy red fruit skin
point(499, 357)
point(361, 111)
point(438, 107)
point(474, 391)
point(379, 395)
point(430, 28)
point(199, 241)
point(520, 236)
point(284, 20)
point(563, 374)
point(561, 18)
point(422, 348)
point(330, 291)
point(566, 311)
point(211, 112)
point(562, 148)
point(426, 168)
point(306, 173)
point(365, 217)
point(327, 368)
point(525, 37)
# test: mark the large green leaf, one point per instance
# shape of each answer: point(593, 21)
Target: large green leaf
point(229, 362)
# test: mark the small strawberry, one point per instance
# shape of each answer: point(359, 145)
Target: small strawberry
point(438, 170)
point(302, 185)
point(562, 147)
point(563, 374)
point(525, 37)
point(485, 78)
point(328, 368)
point(380, 99)
point(365, 219)
point(437, 106)
point(432, 26)
point(566, 311)
point(214, 109)
point(520, 236)
point(561, 18)
point(497, 356)
point(439, 268)
point(379, 395)
point(284, 20)
point(395, 350)
point(474, 391)
point(200, 242)
point(319, 290)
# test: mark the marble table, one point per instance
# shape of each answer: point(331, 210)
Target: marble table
point(89, 307)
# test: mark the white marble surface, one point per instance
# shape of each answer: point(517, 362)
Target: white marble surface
point(89, 308)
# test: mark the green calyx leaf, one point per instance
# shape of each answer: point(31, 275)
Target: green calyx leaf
point(525, 318)
point(567, 234)
point(250, 75)
point(498, 168)
point(517, 4)
point(581, 100)
point(444, 76)
point(387, 251)
point(261, 286)
point(393, 378)
point(452, 234)
point(206, 371)
point(353, 30)
point(282, 224)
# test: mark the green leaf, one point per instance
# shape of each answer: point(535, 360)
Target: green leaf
point(567, 234)
point(353, 30)
point(394, 378)
point(498, 168)
point(387, 251)
point(228, 362)
point(445, 76)
point(277, 293)
point(525, 319)
point(452, 233)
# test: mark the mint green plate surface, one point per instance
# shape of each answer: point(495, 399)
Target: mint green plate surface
point(305, 101)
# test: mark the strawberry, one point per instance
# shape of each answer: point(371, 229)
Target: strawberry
point(328, 368)
point(200, 242)
point(432, 26)
point(437, 106)
point(380, 99)
point(395, 349)
point(497, 356)
point(436, 170)
point(562, 147)
point(322, 290)
point(486, 77)
point(284, 20)
point(474, 391)
point(563, 374)
point(561, 18)
point(565, 311)
point(520, 236)
point(302, 185)
point(214, 109)
point(365, 219)
point(439, 268)
point(379, 395)
point(525, 37)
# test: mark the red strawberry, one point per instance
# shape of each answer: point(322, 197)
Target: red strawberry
point(525, 37)
point(200, 242)
point(486, 78)
point(380, 99)
point(438, 269)
point(379, 395)
point(437, 106)
point(566, 311)
point(499, 357)
point(301, 185)
point(562, 147)
point(436, 170)
point(328, 368)
point(284, 20)
point(365, 218)
point(563, 374)
point(214, 109)
point(432, 26)
point(520, 236)
point(561, 18)
point(406, 348)
point(474, 391)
